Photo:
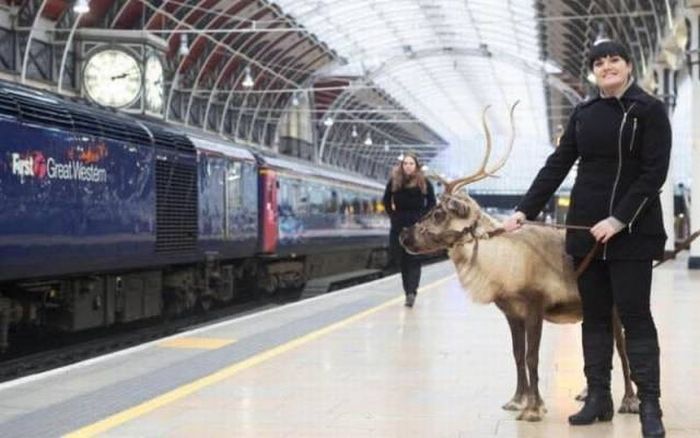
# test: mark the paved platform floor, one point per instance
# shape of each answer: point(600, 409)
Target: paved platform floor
point(359, 365)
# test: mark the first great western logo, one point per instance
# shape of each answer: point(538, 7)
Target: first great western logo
point(36, 165)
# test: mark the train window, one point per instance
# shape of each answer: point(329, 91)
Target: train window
point(234, 186)
point(286, 199)
point(346, 203)
point(249, 186)
point(301, 198)
point(332, 202)
point(356, 204)
point(317, 193)
point(366, 209)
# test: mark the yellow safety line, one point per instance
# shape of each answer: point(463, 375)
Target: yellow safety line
point(187, 389)
point(196, 343)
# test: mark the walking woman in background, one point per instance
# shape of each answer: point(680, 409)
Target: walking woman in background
point(407, 197)
point(622, 138)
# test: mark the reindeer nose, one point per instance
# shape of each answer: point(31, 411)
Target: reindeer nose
point(406, 237)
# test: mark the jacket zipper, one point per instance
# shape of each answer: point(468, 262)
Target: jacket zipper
point(619, 165)
point(636, 213)
point(634, 131)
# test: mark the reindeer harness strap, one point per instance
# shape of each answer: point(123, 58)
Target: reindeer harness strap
point(498, 231)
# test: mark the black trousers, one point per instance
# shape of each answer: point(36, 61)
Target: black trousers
point(627, 285)
point(409, 264)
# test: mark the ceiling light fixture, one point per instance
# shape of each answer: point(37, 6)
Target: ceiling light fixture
point(368, 140)
point(248, 79)
point(601, 36)
point(328, 122)
point(184, 49)
point(81, 6)
point(354, 131)
point(591, 78)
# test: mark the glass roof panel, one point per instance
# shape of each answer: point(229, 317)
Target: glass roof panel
point(445, 60)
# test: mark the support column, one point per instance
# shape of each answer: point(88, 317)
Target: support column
point(693, 14)
point(667, 92)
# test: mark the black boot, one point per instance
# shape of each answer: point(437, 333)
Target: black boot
point(644, 369)
point(598, 406)
point(410, 299)
point(597, 358)
point(650, 416)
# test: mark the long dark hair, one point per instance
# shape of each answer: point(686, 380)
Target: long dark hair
point(399, 180)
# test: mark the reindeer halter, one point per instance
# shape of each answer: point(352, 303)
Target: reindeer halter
point(451, 187)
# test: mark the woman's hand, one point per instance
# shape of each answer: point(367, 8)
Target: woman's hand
point(606, 229)
point(514, 222)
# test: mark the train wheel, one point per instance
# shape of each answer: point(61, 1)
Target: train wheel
point(268, 285)
point(205, 303)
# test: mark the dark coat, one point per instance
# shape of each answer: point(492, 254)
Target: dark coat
point(624, 147)
point(407, 205)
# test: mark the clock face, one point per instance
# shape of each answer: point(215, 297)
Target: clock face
point(154, 84)
point(112, 78)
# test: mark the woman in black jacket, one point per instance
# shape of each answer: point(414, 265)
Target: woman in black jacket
point(622, 139)
point(407, 197)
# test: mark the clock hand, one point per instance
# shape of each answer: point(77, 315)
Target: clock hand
point(123, 75)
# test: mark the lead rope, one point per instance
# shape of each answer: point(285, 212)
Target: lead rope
point(683, 245)
point(589, 257)
point(591, 254)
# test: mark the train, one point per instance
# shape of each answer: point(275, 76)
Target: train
point(108, 218)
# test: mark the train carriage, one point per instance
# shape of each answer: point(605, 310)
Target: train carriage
point(328, 221)
point(107, 218)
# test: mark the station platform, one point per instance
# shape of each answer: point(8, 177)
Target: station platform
point(353, 363)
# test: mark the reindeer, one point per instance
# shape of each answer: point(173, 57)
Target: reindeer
point(537, 283)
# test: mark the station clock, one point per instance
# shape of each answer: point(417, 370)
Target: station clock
point(113, 77)
point(154, 84)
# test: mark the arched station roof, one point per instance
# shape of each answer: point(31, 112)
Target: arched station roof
point(410, 74)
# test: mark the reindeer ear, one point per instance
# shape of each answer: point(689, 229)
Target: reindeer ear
point(459, 208)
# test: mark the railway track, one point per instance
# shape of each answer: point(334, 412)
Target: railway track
point(46, 351)
point(66, 349)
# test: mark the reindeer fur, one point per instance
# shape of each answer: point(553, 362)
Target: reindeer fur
point(526, 273)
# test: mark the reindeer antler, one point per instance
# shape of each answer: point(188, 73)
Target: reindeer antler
point(482, 172)
point(438, 178)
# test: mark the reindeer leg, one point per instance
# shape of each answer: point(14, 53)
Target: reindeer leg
point(517, 334)
point(630, 402)
point(581, 396)
point(534, 410)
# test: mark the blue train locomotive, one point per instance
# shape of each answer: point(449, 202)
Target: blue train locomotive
point(107, 218)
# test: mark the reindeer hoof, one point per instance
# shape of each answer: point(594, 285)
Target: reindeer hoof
point(582, 395)
point(629, 405)
point(514, 405)
point(532, 414)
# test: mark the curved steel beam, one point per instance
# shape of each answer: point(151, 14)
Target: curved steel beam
point(27, 50)
point(297, 75)
point(202, 70)
point(224, 70)
point(529, 66)
point(64, 57)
